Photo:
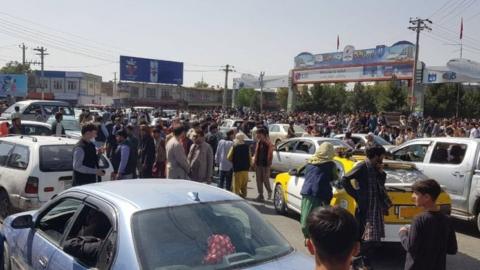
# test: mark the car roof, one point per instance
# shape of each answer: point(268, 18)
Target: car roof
point(43, 102)
point(447, 139)
point(30, 123)
point(35, 140)
point(146, 194)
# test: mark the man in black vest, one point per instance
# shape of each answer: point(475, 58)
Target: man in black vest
point(123, 160)
point(85, 158)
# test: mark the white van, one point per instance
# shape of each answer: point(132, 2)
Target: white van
point(33, 169)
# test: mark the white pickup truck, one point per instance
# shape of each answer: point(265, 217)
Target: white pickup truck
point(455, 164)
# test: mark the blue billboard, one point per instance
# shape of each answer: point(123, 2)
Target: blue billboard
point(14, 85)
point(150, 70)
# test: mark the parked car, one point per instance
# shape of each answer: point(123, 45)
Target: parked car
point(400, 177)
point(28, 108)
point(34, 128)
point(361, 140)
point(279, 132)
point(454, 163)
point(294, 152)
point(229, 124)
point(70, 124)
point(33, 169)
point(147, 224)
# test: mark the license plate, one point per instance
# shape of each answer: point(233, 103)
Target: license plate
point(409, 212)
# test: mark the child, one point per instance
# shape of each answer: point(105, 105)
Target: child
point(431, 236)
point(333, 238)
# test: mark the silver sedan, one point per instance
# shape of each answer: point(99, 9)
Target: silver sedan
point(295, 152)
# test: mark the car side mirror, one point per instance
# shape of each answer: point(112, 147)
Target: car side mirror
point(293, 172)
point(22, 222)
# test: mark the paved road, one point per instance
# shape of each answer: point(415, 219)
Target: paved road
point(390, 256)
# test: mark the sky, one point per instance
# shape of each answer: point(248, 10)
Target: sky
point(251, 35)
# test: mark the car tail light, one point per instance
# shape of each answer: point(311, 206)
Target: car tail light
point(48, 189)
point(32, 185)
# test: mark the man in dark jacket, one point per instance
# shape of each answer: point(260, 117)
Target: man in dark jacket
point(371, 196)
point(57, 127)
point(122, 160)
point(85, 158)
point(147, 152)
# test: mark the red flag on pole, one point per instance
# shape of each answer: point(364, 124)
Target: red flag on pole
point(461, 29)
point(338, 42)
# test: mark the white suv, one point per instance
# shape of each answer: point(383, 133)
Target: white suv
point(33, 169)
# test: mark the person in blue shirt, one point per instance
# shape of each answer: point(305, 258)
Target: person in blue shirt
point(316, 191)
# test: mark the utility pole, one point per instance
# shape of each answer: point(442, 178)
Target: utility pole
point(418, 25)
point(42, 53)
point(228, 68)
point(23, 47)
point(260, 78)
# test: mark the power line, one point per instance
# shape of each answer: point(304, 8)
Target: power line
point(63, 32)
point(448, 2)
point(454, 9)
point(12, 27)
point(453, 15)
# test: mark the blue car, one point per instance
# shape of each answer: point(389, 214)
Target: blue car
point(146, 224)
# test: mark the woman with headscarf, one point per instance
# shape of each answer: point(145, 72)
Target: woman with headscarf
point(316, 191)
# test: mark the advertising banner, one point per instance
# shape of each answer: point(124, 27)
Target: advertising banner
point(15, 85)
point(150, 70)
point(359, 73)
point(402, 51)
point(251, 81)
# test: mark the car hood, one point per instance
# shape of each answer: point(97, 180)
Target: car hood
point(73, 134)
point(293, 261)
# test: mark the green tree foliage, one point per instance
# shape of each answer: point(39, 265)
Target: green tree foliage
point(282, 96)
point(440, 100)
point(15, 67)
point(360, 99)
point(200, 84)
point(247, 97)
point(390, 96)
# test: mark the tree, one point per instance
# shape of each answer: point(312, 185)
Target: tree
point(391, 96)
point(440, 100)
point(246, 97)
point(201, 84)
point(14, 67)
point(282, 96)
point(360, 99)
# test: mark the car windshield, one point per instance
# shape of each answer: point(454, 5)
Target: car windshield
point(403, 175)
point(56, 158)
point(297, 129)
point(11, 109)
point(379, 140)
point(71, 124)
point(186, 237)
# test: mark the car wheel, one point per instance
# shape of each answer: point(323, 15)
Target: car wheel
point(5, 207)
point(279, 200)
point(6, 257)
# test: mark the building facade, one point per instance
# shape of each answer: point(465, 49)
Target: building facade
point(168, 96)
point(77, 88)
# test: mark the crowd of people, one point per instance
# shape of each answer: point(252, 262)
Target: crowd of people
point(190, 146)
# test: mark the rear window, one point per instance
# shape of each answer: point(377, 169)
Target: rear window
point(59, 158)
point(56, 158)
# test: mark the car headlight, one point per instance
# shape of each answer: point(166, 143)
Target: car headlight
point(343, 203)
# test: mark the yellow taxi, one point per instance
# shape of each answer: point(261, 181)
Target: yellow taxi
point(400, 177)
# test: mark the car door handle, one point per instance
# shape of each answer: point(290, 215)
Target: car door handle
point(457, 174)
point(43, 261)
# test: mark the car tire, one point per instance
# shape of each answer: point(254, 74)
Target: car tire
point(5, 207)
point(279, 200)
point(478, 221)
point(6, 257)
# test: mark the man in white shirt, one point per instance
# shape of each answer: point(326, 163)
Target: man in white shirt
point(474, 133)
